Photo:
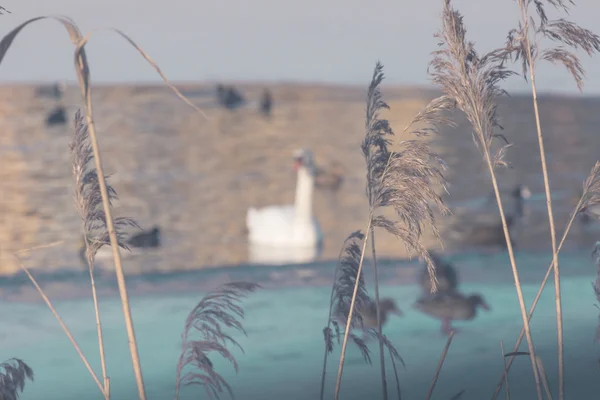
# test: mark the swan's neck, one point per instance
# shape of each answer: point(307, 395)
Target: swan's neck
point(304, 196)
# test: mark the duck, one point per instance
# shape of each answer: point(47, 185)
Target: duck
point(519, 195)
point(584, 214)
point(289, 226)
point(587, 214)
point(482, 234)
point(229, 97)
point(57, 117)
point(266, 103)
point(368, 313)
point(143, 240)
point(55, 91)
point(492, 233)
point(451, 306)
point(330, 178)
point(105, 252)
point(447, 277)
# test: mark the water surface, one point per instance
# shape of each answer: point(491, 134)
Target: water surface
point(284, 347)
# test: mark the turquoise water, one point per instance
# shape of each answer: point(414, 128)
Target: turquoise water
point(284, 347)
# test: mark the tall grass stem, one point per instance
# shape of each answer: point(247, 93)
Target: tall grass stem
point(540, 136)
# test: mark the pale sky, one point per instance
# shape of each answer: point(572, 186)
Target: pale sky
point(335, 41)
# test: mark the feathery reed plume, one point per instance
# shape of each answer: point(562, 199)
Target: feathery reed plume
point(591, 193)
point(217, 310)
point(521, 44)
point(13, 374)
point(596, 284)
point(589, 197)
point(403, 180)
point(471, 80)
point(345, 277)
point(88, 201)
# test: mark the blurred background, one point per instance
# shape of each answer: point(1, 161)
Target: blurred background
point(168, 163)
point(272, 77)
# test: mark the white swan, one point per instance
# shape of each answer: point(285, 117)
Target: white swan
point(287, 228)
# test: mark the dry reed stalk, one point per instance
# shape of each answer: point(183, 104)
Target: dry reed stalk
point(378, 314)
point(590, 197)
point(439, 366)
point(540, 365)
point(86, 92)
point(344, 277)
point(558, 296)
point(16, 371)
point(83, 77)
point(349, 319)
point(403, 180)
point(150, 61)
point(395, 374)
point(88, 202)
point(99, 332)
point(61, 322)
point(520, 45)
point(42, 246)
point(505, 371)
point(471, 80)
point(596, 283)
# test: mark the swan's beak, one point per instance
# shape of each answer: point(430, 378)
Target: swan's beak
point(297, 164)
